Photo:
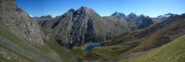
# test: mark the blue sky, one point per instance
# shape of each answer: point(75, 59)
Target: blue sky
point(151, 8)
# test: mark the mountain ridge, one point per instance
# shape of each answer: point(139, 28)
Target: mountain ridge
point(102, 28)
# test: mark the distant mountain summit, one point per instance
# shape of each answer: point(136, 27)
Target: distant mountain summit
point(139, 22)
point(47, 17)
point(131, 21)
point(118, 14)
point(164, 17)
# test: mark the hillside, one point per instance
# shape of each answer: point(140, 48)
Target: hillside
point(171, 28)
point(133, 44)
point(171, 52)
point(22, 40)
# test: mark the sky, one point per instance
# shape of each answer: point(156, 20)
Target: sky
point(151, 8)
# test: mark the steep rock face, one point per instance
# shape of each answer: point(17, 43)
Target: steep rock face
point(20, 23)
point(78, 27)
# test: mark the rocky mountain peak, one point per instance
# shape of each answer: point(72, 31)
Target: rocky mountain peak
point(71, 10)
point(169, 15)
point(132, 15)
point(83, 10)
point(118, 14)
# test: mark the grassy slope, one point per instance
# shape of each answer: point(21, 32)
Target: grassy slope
point(6, 47)
point(65, 54)
point(12, 44)
point(171, 52)
point(14, 49)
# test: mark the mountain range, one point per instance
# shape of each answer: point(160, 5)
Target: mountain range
point(82, 35)
point(77, 27)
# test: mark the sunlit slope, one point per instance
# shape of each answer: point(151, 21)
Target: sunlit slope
point(171, 52)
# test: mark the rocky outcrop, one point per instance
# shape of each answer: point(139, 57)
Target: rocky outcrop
point(20, 23)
